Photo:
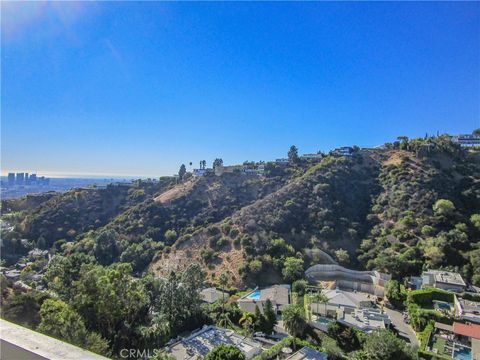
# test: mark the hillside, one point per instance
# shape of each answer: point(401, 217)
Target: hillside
point(399, 208)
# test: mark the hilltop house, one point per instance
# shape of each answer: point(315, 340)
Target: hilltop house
point(445, 280)
point(343, 151)
point(466, 140)
point(311, 157)
point(279, 295)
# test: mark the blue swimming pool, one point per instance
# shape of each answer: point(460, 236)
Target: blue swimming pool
point(254, 295)
point(441, 305)
point(462, 353)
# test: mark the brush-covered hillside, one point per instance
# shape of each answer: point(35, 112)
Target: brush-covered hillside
point(399, 208)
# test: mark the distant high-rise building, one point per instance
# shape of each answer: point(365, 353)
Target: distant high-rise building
point(27, 179)
point(11, 179)
point(20, 178)
point(33, 178)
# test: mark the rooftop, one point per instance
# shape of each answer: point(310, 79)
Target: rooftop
point(366, 319)
point(446, 277)
point(469, 330)
point(210, 295)
point(201, 342)
point(307, 353)
point(347, 298)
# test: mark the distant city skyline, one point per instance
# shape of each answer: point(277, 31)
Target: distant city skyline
point(135, 89)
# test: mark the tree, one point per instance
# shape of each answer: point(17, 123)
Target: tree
point(384, 345)
point(475, 220)
point(294, 320)
point(203, 164)
point(476, 132)
point(247, 320)
point(299, 286)
point(61, 321)
point(293, 155)
point(443, 207)
point(342, 256)
point(394, 293)
point(292, 269)
point(111, 301)
point(182, 171)
point(225, 352)
point(320, 297)
point(217, 162)
point(105, 248)
point(270, 316)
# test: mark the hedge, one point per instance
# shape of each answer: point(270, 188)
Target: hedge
point(426, 296)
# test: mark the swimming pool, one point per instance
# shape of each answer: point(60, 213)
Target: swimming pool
point(254, 295)
point(462, 353)
point(441, 305)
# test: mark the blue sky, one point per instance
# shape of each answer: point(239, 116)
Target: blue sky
point(133, 88)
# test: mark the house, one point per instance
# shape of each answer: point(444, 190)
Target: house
point(282, 161)
point(372, 282)
point(343, 151)
point(444, 280)
point(198, 344)
point(459, 341)
point(467, 310)
point(366, 320)
point(279, 295)
point(307, 353)
point(466, 140)
point(311, 157)
point(210, 295)
point(220, 169)
point(201, 172)
point(338, 299)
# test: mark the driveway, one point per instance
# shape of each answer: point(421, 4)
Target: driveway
point(404, 330)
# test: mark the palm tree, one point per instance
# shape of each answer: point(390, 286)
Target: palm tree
point(247, 322)
point(319, 296)
point(294, 321)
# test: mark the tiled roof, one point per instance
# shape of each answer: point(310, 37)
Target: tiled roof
point(469, 330)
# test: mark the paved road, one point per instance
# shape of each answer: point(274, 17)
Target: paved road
point(404, 330)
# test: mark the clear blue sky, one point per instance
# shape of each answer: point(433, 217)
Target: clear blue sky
point(139, 88)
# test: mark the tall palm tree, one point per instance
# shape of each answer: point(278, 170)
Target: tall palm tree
point(294, 321)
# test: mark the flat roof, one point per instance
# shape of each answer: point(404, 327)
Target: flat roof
point(447, 277)
point(201, 342)
point(19, 342)
point(307, 353)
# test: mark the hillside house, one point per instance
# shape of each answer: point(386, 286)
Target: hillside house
point(467, 310)
point(279, 295)
point(445, 280)
point(340, 300)
point(366, 320)
point(210, 295)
